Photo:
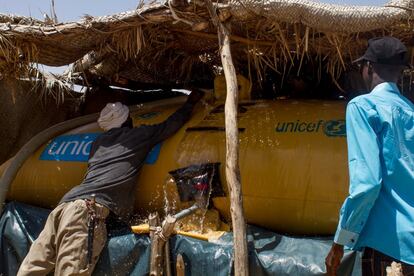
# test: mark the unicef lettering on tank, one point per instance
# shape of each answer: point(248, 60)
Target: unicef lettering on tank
point(331, 128)
point(76, 148)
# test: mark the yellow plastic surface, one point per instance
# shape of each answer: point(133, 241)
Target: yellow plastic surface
point(214, 235)
point(294, 180)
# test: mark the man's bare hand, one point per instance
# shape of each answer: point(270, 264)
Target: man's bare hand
point(195, 96)
point(334, 258)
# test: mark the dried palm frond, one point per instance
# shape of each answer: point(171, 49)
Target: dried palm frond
point(50, 86)
point(162, 43)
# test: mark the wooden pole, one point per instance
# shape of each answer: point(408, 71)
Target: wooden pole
point(241, 265)
point(157, 245)
point(160, 248)
point(153, 222)
point(232, 159)
point(180, 266)
point(156, 254)
point(167, 258)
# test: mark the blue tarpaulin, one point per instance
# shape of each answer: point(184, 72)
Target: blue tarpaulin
point(128, 254)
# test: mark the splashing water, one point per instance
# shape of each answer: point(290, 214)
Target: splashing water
point(205, 209)
point(200, 222)
point(170, 201)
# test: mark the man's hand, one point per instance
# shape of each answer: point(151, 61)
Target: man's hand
point(195, 96)
point(334, 258)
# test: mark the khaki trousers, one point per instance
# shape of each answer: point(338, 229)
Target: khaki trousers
point(63, 243)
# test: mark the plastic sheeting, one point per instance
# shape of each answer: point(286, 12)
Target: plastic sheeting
point(128, 254)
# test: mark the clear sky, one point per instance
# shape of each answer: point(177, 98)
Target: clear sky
point(73, 10)
point(66, 10)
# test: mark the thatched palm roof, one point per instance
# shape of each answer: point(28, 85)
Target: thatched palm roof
point(177, 41)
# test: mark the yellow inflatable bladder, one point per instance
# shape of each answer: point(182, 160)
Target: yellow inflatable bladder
point(292, 160)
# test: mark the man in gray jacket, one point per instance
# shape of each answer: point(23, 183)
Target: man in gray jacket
point(75, 231)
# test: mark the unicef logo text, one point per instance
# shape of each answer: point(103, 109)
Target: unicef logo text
point(335, 128)
point(331, 128)
point(75, 147)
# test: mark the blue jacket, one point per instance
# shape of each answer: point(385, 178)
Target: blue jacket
point(379, 211)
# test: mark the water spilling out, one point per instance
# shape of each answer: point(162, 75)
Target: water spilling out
point(193, 190)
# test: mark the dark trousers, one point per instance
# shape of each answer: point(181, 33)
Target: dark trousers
point(374, 263)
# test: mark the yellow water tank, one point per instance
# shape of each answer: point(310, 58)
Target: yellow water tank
point(292, 160)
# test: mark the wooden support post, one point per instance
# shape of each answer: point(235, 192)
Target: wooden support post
point(156, 256)
point(232, 145)
point(167, 259)
point(180, 266)
point(153, 222)
point(232, 158)
point(160, 247)
point(157, 245)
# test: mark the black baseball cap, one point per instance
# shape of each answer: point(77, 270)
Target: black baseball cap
point(386, 50)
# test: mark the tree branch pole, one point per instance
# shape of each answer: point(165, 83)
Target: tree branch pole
point(160, 237)
point(180, 266)
point(232, 146)
point(232, 157)
point(160, 248)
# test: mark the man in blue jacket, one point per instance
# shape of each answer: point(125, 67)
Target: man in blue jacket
point(378, 214)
